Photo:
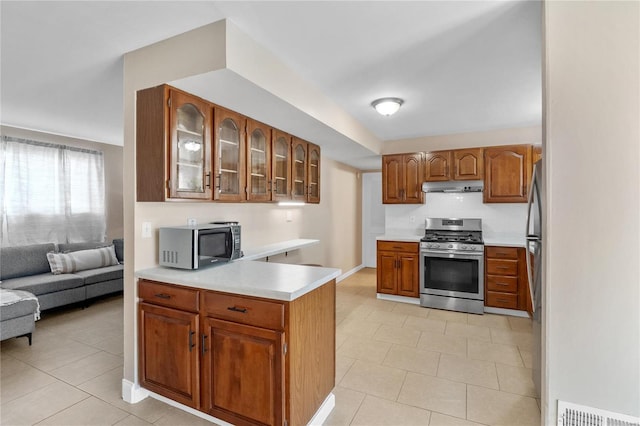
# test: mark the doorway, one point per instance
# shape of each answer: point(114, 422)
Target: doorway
point(373, 220)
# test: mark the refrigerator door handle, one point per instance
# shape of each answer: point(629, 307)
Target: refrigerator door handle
point(530, 237)
point(530, 274)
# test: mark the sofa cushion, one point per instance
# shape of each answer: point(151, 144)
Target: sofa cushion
point(20, 309)
point(43, 283)
point(70, 247)
point(92, 276)
point(24, 260)
point(81, 260)
point(118, 243)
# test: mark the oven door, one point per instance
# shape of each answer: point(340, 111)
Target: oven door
point(452, 274)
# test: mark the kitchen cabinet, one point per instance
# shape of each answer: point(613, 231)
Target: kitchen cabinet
point(281, 166)
point(242, 359)
point(168, 329)
point(437, 166)
point(398, 268)
point(506, 282)
point(258, 161)
point(229, 159)
point(507, 173)
point(298, 170)
point(468, 164)
point(173, 145)
point(402, 176)
point(459, 164)
point(313, 174)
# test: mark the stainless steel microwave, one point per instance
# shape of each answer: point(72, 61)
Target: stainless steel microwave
point(192, 247)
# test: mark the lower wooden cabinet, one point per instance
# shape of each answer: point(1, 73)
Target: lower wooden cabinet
point(506, 282)
point(398, 268)
point(242, 359)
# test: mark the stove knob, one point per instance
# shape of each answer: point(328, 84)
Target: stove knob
point(464, 247)
point(450, 246)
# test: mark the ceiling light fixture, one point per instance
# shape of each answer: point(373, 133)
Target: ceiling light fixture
point(387, 106)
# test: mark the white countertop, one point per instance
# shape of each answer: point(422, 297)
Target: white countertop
point(400, 237)
point(505, 240)
point(277, 281)
point(254, 253)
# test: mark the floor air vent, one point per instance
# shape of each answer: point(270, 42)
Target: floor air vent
point(579, 415)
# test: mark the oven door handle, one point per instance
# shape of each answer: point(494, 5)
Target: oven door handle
point(447, 254)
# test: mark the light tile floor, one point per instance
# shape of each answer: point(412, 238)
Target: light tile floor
point(396, 364)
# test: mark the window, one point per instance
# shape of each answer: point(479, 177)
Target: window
point(50, 193)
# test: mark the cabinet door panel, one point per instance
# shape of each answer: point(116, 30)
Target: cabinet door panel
point(229, 163)
point(169, 358)
point(299, 170)
point(413, 174)
point(244, 373)
point(190, 166)
point(507, 171)
point(387, 273)
point(281, 166)
point(392, 179)
point(258, 161)
point(313, 174)
point(408, 276)
point(438, 166)
point(468, 164)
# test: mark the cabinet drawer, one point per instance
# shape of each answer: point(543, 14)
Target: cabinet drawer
point(398, 246)
point(502, 300)
point(502, 267)
point(502, 252)
point(502, 283)
point(169, 295)
point(259, 313)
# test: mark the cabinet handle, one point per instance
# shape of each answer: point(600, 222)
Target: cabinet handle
point(397, 248)
point(502, 284)
point(269, 186)
point(502, 300)
point(235, 309)
point(219, 177)
point(163, 296)
point(204, 344)
point(501, 253)
point(191, 344)
point(208, 179)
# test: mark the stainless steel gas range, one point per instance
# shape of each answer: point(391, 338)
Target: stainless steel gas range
point(452, 265)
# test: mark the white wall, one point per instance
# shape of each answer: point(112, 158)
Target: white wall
point(592, 154)
point(498, 220)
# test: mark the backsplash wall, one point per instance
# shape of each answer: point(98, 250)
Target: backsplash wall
point(498, 219)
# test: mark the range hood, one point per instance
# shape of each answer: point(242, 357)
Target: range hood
point(453, 186)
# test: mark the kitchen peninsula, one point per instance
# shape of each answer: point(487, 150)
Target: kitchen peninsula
point(246, 342)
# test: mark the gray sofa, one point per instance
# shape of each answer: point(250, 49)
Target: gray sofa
point(27, 268)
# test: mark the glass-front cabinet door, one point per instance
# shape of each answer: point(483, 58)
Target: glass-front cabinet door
point(190, 170)
point(281, 166)
point(299, 170)
point(313, 174)
point(258, 161)
point(229, 157)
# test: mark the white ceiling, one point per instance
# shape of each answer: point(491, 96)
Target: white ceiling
point(459, 66)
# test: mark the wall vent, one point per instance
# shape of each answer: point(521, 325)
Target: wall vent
point(579, 415)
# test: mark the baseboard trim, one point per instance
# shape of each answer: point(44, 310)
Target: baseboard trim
point(502, 311)
point(323, 412)
point(402, 299)
point(133, 393)
point(349, 273)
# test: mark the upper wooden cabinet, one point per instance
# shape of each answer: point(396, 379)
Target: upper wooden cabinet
point(229, 160)
point(281, 166)
point(402, 177)
point(258, 161)
point(299, 170)
point(173, 145)
point(507, 172)
point(468, 164)
point(459, 164)
point(313, 173)
point(437, 166)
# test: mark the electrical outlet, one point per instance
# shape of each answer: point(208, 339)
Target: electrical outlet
point(412, 219)
point(146, 229)
point(191, 222)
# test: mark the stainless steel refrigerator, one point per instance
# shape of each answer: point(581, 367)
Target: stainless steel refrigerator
point(534, 269)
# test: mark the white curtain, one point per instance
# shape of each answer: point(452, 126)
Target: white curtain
point(50, 193)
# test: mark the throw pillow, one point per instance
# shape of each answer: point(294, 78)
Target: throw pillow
point(65, 263)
